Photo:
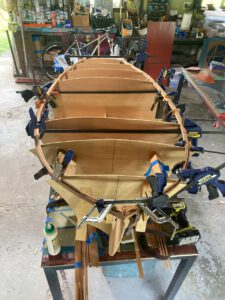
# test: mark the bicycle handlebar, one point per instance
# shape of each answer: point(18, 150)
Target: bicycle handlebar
point(103, 30)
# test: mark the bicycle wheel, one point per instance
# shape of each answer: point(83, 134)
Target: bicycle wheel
point(48, 56)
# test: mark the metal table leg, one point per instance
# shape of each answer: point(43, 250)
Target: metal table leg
point(179, 276)
point(53, 282)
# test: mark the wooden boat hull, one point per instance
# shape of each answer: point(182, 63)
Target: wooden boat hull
point(113, 116)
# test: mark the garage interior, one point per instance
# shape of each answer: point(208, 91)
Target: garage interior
point(169, 41)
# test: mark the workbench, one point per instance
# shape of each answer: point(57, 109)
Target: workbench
point(65, 260)
point(210, 93)
point(61, 33)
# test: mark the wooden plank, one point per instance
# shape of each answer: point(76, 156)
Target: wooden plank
point(137, 254)
point(85, 270)
point(104, 84)
point(135, 105)
point(78, 271)
point(116, 235)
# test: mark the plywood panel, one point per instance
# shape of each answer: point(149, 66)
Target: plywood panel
point(96, 72)
point(119, 157)
point(104, 84)
point(113, 105)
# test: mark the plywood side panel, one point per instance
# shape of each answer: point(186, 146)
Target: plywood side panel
point(109, 124)
point(104, 84)
point(104, 66)
point(92, 72)
point(133, 157)
point(119, 157)
point(169, 139)
point(98, 61)
point(114, 105)
point(108, 187)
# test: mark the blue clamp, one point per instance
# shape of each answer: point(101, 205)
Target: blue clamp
point(46, 86)
point(164, 73)
point(34, 124)
point(141, 57)
point(206, 176)
point(67, 158)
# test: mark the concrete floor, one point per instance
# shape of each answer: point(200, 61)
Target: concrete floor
point(22, 214)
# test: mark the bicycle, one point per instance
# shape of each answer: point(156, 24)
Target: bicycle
point(56, 57)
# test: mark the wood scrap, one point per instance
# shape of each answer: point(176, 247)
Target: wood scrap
point(93, 247)
point(138, 256)
point(78, 271)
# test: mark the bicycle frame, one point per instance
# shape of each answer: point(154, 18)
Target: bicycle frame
point(99, 40)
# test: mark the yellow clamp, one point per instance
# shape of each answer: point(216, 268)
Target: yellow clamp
point(194, 135)
point(165, 73)
point(178, 206)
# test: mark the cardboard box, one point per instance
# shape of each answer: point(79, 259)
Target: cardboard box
point(127, 27)
point(81, 20)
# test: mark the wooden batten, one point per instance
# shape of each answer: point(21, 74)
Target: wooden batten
point(113, 84)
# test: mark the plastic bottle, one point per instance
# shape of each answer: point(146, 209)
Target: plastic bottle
point(51, 235)
point(117, 50)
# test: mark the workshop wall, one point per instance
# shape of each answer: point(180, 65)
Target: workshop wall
point(179, 5)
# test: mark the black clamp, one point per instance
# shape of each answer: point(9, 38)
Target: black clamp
point(157, 183)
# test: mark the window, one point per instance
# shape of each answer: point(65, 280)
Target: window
point(216, 3)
